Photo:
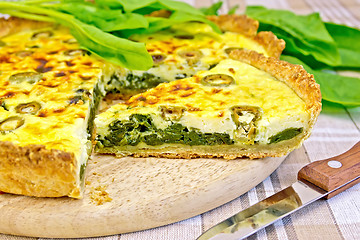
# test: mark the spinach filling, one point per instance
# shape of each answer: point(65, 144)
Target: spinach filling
point(97, 96)
point(140, 128)
point(285, 135)
point(134, 82)
point(82, 171)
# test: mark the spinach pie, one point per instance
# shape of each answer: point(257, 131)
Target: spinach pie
point(207, 95)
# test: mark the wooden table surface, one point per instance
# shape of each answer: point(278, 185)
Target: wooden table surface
point(336, 130)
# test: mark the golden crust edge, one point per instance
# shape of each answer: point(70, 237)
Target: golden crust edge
point(295, 76)
point(26, 169)
point(247, 26)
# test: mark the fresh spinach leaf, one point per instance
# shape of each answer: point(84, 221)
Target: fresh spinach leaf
point(156, 23)
point(181, 6)
point(334, 88)
point(125, 21)
point(233, 9)
point(109, 4)
point(106, 19)
point(348, 42)
point(308, 31)
point(116, 50)
point(299, 49)
point(133, 5)
point(213, 9)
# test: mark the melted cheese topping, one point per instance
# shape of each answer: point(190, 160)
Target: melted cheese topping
point(208, 107)
point(64, 89)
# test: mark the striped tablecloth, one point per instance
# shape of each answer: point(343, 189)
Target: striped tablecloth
point(337, 129)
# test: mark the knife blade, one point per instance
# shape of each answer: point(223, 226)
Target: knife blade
point(319, 179)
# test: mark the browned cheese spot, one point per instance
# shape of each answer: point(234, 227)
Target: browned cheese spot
point(60, 74)
point(141, 98)
point(42, 68)
point(215, 90)
point(69, 63)
point(232, 70)
point(187, 94)
point(43, 113)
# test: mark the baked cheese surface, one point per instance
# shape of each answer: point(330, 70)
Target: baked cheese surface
point(46, 89)
point(243, 104)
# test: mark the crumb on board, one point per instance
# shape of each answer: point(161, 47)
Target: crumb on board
point(99, 196)
point(98, 174)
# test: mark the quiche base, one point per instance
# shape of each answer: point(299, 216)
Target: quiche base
point(224, 151)
point(26, 170)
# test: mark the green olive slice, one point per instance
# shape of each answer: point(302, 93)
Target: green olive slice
point(191, 56)
point(28, 108)
point(228, 50)
point(245, 118)
point(75, 52)
point(218, 80)
point(86, 76)
point(2, 43)
point(171, 112)
point(24, 53)
point(70, 41)
point(184, 36)
point(42, 34)
point(11, 123)
point(29, 77)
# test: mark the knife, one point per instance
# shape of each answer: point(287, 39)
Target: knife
point(319, 179)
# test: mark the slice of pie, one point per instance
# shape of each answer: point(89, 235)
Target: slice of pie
point(249, 106)
point(49, 93)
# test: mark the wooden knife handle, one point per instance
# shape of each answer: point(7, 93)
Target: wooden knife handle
point(331, 173)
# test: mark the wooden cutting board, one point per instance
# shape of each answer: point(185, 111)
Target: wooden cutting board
point(127, 194)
